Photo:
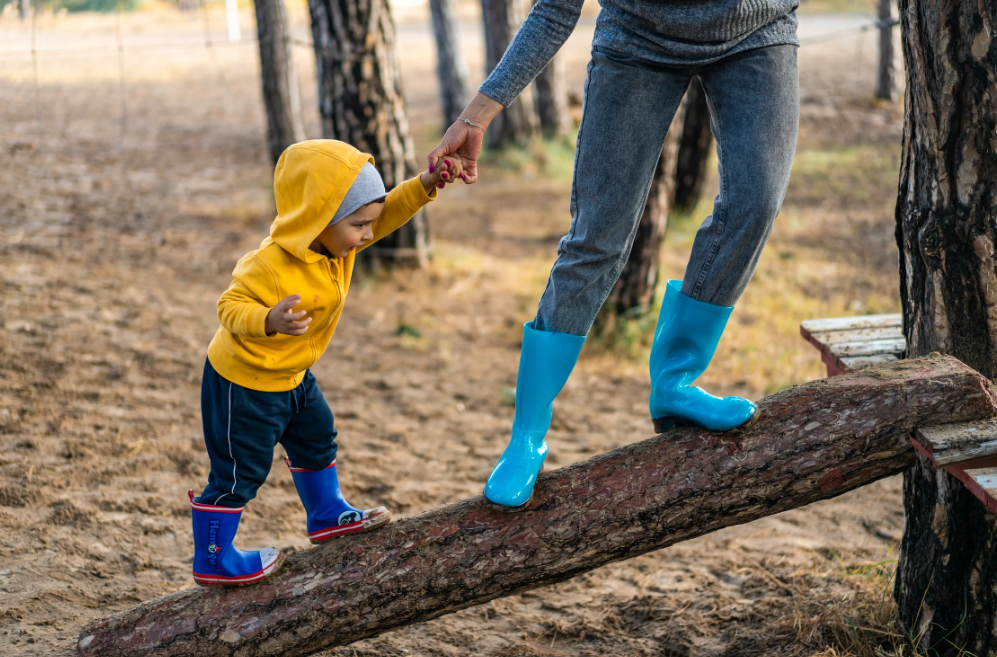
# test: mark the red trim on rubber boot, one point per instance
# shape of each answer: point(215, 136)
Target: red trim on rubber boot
point(211, 507)
point(294, 469)
point(322, 535)
point(230, 581)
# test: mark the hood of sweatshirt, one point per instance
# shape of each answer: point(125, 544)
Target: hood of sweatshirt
point(309, 183)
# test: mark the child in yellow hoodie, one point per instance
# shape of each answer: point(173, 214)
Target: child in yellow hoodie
point(277, 318)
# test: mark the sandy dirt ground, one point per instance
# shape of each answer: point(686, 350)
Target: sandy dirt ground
point(121, 217)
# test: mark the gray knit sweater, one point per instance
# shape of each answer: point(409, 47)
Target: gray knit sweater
point(663, 31)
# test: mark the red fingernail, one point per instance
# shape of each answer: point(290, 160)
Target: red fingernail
point(445, 175)
point(463, 177)
point(440, 185)
point(446, 162)
point(430, 167)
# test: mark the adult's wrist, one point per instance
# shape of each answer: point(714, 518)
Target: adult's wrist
point(481, 110)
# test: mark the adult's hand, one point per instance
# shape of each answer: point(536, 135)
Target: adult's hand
point(463, 141)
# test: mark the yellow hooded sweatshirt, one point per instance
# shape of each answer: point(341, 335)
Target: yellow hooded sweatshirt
point(310, 181)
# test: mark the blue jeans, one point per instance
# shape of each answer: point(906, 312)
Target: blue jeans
point(242, 427)
point(629, 104)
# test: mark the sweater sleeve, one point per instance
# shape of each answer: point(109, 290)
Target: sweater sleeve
point(400, 205)
point(542, 34)
point(244, 306)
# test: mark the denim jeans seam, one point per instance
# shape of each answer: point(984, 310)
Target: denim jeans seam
point(578, 140)
point(720, 220)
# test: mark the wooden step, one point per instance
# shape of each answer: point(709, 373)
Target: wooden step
point(967, 451)
point(851, 343)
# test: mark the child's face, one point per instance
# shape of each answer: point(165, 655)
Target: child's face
point(352, 231)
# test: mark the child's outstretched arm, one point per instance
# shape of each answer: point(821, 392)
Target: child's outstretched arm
point(405, 200)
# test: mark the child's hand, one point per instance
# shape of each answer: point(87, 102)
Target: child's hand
point(281, 319)
point(447, 170)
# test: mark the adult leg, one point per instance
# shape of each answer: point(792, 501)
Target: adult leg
point(629, 105)
point(310, 442)
point(755, 104)
point(754, 99)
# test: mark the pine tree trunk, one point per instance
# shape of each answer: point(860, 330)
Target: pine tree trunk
point(552, 99)
point(361, 103)
point(886, 80)
point(634, 290)
point(517, 124)
point(946, 215)
point(450, 66)
point(280, 84)
point(694, 148)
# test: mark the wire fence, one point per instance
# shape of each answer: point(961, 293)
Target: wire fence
point(212, 41)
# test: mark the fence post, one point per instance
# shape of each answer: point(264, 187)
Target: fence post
point(232, 17)
point(885, 84)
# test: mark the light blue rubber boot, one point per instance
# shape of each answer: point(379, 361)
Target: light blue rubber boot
point(544, 365)
point(684, 341)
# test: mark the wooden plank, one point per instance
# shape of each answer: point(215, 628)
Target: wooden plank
point(870, 348)
point(831, 338)
point(955, 443)
point(849, 323)
point(971, 479)
point(979, 475)
point(852, 363)
point(986, 478)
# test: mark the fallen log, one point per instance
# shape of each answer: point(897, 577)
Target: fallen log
point(811, 442)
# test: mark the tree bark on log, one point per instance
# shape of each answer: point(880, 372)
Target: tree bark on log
point(886, 78)
point(517, 124)
point(449, 64)
point(552, 99)
point(811, 442)
point(694, 148)
point(946, 214)
point(361, 102)
point(634, 289)
point(280, 83)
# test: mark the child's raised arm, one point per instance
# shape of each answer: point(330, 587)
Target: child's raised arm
point(446, 171)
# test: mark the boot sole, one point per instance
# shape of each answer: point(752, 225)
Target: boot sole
point(367, 525)
point(663, 424)
point(509, 509)
point(266, 575)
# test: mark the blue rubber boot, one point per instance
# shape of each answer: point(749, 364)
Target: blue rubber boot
point(216, 562)
point(329, 515)
point(686, 337)
point(544, 365)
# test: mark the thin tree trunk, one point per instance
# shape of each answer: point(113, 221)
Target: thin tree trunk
point(23, 9)
point(449, 64)
point(634, 290)
point(361, 103)
point(886, 80)
point(694, 148)
point(946, 214)
point(517, 124)
point(811, 442)
point(552, 99)
point(280, 84)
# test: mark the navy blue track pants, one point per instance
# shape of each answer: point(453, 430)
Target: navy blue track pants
point(242, 427)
